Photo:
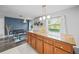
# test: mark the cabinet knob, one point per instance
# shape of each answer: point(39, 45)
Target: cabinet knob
point(61, 47)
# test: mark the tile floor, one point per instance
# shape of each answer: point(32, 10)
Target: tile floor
point(22, 49)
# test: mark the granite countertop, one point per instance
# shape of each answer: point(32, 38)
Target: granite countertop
point(62, 37)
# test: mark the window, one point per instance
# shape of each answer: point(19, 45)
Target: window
point(57, 24)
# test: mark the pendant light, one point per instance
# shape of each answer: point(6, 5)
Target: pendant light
point(44, 13)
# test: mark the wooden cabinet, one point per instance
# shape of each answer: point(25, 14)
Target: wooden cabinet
point(47, 45)
point(48, 49)
point(39, 46)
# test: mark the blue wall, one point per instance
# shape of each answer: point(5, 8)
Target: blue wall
point(15, 24)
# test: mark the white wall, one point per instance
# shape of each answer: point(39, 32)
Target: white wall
point(72, 21)
point(2, 26)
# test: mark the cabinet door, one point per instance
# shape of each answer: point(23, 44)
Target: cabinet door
point(48, 49)
point(59, 51)
point(33, 41)
point(39, 46)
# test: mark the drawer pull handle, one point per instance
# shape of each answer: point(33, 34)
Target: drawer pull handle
point(61, 47)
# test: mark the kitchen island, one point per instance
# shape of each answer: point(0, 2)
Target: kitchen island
point(45, 44)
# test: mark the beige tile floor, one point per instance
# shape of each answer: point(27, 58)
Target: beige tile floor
point(22, 49)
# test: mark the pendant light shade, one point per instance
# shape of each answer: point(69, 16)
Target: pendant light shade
point(44, 13)
point(40, 18)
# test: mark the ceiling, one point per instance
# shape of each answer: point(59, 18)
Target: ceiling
point(32, 11)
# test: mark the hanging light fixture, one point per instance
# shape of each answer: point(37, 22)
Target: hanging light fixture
point(44, 13)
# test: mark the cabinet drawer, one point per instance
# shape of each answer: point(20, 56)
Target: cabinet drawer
point(39, 37)
point(49, 41)
point(33, 35)
point(59, 51)
point(29, 33)
point(64, 46)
